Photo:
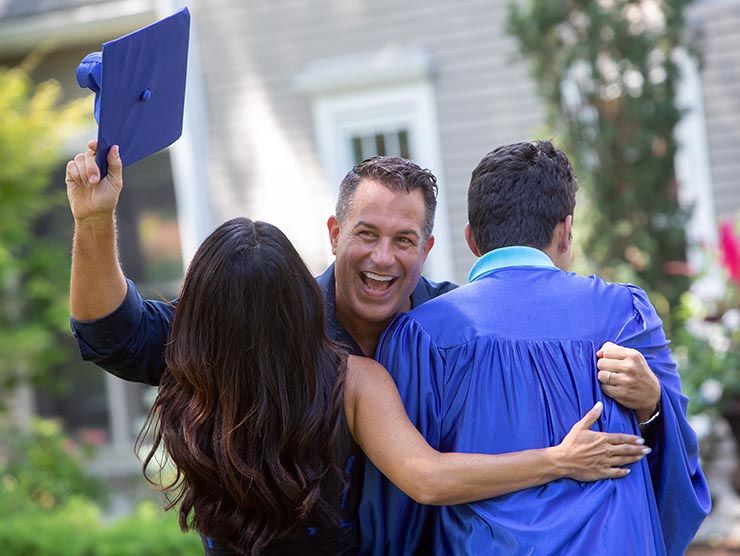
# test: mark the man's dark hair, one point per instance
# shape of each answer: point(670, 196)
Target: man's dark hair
point(518, 193)
point(397, 174)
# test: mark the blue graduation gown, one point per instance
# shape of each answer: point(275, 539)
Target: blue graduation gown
point(507, 363)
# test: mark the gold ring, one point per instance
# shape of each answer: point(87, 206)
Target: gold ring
point(609, 378)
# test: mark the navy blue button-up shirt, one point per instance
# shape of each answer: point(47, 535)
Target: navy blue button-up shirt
point(130, 341)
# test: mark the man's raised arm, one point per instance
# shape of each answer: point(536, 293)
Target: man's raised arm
point(114, 327)
point(97, 284)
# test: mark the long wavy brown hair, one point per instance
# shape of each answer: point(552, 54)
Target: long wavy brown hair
point(250, 407)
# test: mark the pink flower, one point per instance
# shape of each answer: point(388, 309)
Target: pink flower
point(729, 249)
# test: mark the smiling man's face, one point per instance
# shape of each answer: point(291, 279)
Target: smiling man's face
point(380, 248)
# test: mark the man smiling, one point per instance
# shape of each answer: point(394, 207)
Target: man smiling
point(381, 236)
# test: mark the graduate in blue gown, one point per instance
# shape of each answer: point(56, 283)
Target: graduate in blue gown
point(508, 362)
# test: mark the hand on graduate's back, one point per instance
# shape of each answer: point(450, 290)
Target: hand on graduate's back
point(89, 196)
point(626, 377)
point(590, 456)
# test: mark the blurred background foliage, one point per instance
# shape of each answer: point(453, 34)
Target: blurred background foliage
point(707, 349)
point(608, 73)
point(34, 267)
point(49, 505)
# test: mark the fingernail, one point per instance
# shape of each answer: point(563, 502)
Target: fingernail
point(646, 451)
point(628, 471)
point(640, 441)
point(94, 179)
point(598, 405)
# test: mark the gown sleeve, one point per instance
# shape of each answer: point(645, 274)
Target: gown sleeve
point(129, 342)
point(680, 488)
point(391, 522)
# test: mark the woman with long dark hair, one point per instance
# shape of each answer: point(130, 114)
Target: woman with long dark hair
point(263, 415)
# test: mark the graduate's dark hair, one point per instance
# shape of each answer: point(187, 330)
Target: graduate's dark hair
point(251, 404)
point(397, 174)
point(518, 193)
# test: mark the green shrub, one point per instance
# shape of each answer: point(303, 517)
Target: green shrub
point(49, 506)
point(34, 270)
point(608, 73)
point(65, 531)
point(707, 349)
point(43, 470)
point(76, 529)
point(148, 531)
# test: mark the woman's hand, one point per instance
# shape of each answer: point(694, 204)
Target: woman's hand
point(586, 455)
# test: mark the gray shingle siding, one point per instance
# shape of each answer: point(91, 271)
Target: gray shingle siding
point(483, 96)
point(720, 44)
point(10, 9)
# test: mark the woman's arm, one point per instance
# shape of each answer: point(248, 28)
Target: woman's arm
point(380, 426)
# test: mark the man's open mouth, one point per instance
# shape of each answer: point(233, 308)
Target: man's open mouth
point(377, 282)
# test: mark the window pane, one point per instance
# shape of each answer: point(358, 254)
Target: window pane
point(78, 399)
point(388, 142)
point(403, 140)
point(159, 235)
point(380, 144)
point(368, 146)
point(149, 240)
point(357, 149)
point(392, 145)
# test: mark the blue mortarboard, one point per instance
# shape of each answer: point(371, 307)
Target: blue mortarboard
point(139, 85)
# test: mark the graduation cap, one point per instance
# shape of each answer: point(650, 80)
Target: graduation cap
point(139, 85)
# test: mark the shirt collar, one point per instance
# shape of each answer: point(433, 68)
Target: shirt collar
point(335, 329)
point(423, 292)
point(509, 256)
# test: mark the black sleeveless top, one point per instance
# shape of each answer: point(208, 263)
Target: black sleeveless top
point(322, 539)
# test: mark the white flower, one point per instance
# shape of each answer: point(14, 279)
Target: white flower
point(731, 319)
point(718, 341)
point(702, 424)
point(711, 390)
point(707, 290)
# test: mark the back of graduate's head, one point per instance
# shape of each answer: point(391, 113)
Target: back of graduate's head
point(518, 195)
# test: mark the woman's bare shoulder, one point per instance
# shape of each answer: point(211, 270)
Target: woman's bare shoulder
point(363, 372)
point(358, 363)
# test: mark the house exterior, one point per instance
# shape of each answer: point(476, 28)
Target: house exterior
point(718, 26)
point(285, 96)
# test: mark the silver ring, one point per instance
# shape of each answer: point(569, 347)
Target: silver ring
point(609, 378)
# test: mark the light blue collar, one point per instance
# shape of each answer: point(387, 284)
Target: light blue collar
point(509, 256)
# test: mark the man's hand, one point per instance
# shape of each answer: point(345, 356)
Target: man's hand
point(625, 376)
point(587, 455)
point(89, 197)
point(97, 284)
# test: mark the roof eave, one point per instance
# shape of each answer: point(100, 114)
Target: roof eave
point(73, 27)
